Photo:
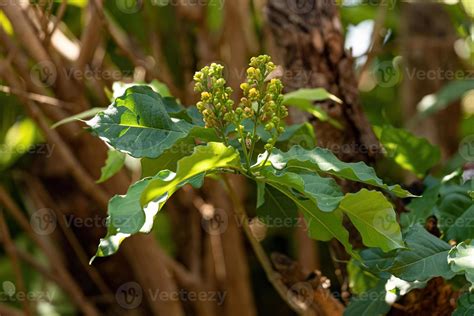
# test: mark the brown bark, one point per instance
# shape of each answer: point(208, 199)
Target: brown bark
point(428, 48)
point(310, 44)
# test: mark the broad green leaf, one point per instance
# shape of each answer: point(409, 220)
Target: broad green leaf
point(321, 225)
point(304, 100)
point(113, 164)
point(420, 208)
point(461, 259)
point(360, 280)
point(371, 303)
point(453, 203)
point(374, 218)
point(169, 158)
point(297, 134)
point(323, 160)
point(465, 305)
point(324, 192)
point(204, 159)
point(135, 211)
point(277, 209)
point(425, 257)
point(463, 227)
point(408, 151)
point(377, 261)
point(138, 124)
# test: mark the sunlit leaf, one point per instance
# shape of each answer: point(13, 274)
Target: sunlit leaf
point(113, 164)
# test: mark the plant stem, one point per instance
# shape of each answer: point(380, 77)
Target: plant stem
point(272, 275)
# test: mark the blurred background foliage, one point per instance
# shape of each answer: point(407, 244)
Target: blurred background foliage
point(157, 40)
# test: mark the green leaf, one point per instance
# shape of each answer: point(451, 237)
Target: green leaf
point(465, 305)
point(138, 124)
point(377, 261)
point(453, 203)
point(463, 226)
point(204, 159)
point(169, 158)
point(303, 99)
point(425, 258)
point(297, 134)
point(321, 225)
point(461, 259)
point(324, 192)
point(135, 211)
point(360, 280)
point(408, 151)
point(113, 164)
point(323, 160)
point(420, 208)
point(277, 208)
point(374, 218)
point(371, 302)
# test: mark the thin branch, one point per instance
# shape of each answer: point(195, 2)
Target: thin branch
point(10, 250)
point(72, 288)
point(44, 99)
point(262, 257)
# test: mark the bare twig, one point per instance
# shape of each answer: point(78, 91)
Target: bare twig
point(10, 250)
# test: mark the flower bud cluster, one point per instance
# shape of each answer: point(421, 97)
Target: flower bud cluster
point(215, 104)
point(263, 98)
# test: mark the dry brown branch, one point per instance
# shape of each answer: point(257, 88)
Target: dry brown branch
point(10, 250)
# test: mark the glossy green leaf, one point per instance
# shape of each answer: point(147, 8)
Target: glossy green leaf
point(138, 124)
point(425, 257)
point(374, 218)
point(277, 209)
point(408, 151)
point(465, 305)
point(169, 158)
point(371, 302)
point(304, 99)
point(463, 226)
point(421, 208)
point(113, 164)
point(360, 280)
point(135, 211)
point(204, 159)
point(461, 259)
point(324, 192)
point(323, 160)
